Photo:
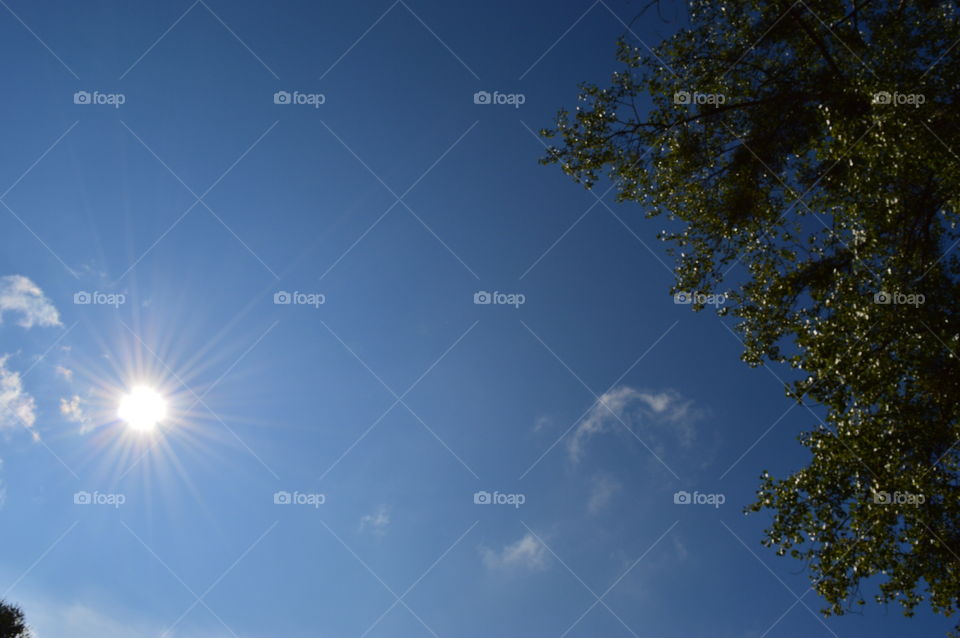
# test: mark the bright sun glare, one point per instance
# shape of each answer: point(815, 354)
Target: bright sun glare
point(143, 408)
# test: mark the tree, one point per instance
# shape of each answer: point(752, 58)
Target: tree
point(12, 622)
point(806, 156)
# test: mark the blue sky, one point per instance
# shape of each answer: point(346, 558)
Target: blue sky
point(158, 202)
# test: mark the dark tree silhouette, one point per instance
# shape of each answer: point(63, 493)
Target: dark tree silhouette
point(807, 157)
point(12, 622)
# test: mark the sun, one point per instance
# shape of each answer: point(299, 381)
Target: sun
point(143, 408)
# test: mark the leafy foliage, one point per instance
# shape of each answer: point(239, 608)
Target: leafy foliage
point(811, 149)
point(12, 622)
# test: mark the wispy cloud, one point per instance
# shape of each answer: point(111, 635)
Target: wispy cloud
point(528, 553)
point(72, 409)
point(20, 296)
point(603, 488)
point(66, 373)
point(17, 408)
point(666, 411)
point(377, 522)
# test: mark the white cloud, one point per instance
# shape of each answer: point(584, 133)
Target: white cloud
point(602, 490)
point(528, 553)
point(20, 295)
point(376, 522)
point(17, 408)
point(623, 405)
point(66, 373)
point(72, 409)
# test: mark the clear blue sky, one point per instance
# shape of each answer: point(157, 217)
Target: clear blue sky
point(198, 199)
